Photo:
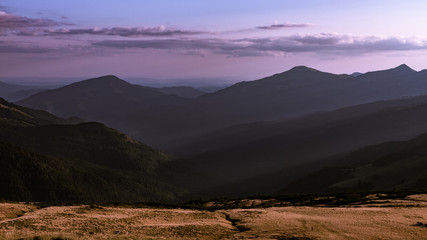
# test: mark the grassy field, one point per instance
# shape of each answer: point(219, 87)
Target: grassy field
point(379, 217)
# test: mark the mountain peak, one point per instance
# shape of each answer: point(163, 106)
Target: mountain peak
point(400, 70)
point(303, 69)
point(404, 67)
point(107, 80)
point(110, 77)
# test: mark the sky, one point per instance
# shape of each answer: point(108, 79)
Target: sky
point(192, 39)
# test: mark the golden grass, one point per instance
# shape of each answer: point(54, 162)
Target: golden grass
point(388, 219)
point(13, 210)
point(84, 222)
point(331, 223)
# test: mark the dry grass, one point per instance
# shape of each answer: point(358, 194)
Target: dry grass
point(84, 222)
point(330, 223)
point(381, 219)
point(14, 210)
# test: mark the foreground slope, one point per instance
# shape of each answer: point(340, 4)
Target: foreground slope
point(83, 162)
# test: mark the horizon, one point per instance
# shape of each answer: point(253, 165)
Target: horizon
point(231, 42)
point(207, 84)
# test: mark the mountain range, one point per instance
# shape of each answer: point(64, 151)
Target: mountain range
point(273, 135)
point(166, 120)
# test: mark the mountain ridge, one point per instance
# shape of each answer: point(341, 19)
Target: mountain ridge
point(164, 120)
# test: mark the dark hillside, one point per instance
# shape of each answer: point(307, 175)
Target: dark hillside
point(45, 161)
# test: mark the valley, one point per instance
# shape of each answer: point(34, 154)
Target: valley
point(220, 119)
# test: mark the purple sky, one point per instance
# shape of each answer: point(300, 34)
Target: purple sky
point(241, 40)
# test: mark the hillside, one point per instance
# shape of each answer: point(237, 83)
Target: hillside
point(83, 162)
point(387, 166)
point(30, 176)
point(18, 115)
point(266, 155)
point(245, 133)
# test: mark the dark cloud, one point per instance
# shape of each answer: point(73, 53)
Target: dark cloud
point(10, 21)
point(126, 32)
point(209, 44)
point(20, 47)
point(318, 43)
point(285, 25)
point(29, 32)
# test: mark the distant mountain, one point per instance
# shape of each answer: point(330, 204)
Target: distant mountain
point(293, 94)
point(303, 90)
point(388, 166)
point(42, 160)
point(98, 98)
point(148, 114)
point(165, 120)
point(182, 91)
point(14, 92)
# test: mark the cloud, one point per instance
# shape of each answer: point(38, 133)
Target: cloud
point(319, 39)
point(285, 25)
point(209, 44)
point(21, 47)
point(182, 42)
point(326, 43)
point(10, 21)
point(161, 31)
